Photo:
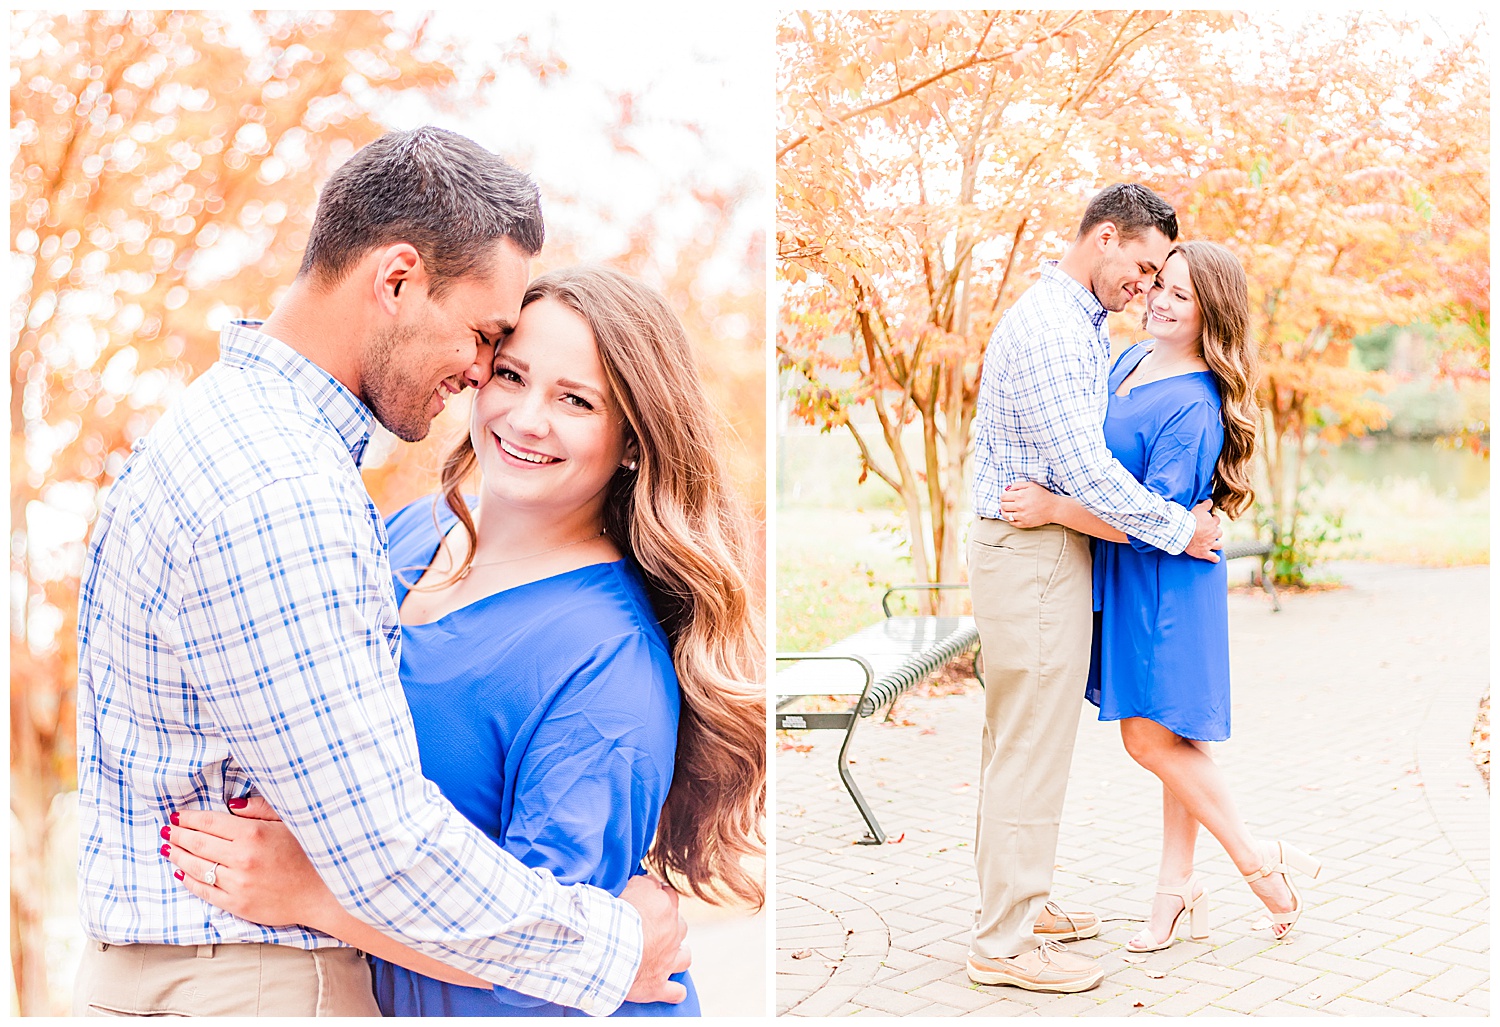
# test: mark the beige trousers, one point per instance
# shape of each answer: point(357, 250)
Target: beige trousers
point(244, 979)
point(1033, 603)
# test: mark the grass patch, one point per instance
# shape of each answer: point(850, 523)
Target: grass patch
point(1402, 520)
point(832, 566)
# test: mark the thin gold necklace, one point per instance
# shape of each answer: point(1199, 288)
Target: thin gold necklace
point(527, 556)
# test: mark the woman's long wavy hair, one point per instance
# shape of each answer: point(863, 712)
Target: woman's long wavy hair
point(1223, 298)
point(677, 517)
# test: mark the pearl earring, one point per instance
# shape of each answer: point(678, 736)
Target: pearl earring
point(629, 466)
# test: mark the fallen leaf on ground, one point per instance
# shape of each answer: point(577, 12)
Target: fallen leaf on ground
point(1155, 975)
point(802, 953)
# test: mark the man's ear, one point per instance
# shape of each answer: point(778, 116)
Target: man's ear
point(1105, 232)
point(398, 268)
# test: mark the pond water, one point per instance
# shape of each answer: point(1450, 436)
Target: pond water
point(1374, 460)
point(815, 469)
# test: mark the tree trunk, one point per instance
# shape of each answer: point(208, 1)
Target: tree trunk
point(29, 898)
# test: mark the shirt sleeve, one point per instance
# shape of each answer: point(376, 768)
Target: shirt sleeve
point(1054, 404)
point(282, 631)
point(1181, 462)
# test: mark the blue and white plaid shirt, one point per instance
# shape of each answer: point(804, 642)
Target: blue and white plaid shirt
point(238, 626)
point(1043, 395)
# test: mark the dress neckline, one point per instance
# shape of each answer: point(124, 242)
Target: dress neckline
point(505, 591)
point(1115, 393)
point(442, 533)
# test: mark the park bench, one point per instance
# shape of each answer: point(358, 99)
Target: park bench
point(890, 656)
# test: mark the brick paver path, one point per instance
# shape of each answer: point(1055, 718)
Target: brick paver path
point(1351, 725)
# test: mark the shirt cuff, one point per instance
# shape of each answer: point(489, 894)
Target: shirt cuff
point(1179, 539)
point(613, 946)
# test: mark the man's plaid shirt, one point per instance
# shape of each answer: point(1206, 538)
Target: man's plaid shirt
point(238, 627)
point(1043, 395)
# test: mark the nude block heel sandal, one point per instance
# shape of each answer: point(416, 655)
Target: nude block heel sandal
point(1289, 859)
point(1195, 907)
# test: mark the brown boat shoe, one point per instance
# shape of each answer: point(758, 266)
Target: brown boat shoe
point(1058, 924)
point(1049, 967)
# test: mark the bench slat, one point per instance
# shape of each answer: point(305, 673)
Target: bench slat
point(901, 651)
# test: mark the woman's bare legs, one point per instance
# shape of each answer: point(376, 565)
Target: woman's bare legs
point(1194, 792)
point(1179, 838)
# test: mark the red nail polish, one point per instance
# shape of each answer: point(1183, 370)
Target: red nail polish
point(238, 803)
point(166, 833)
point(173, 819)
point(166, 850)
point(177, 874)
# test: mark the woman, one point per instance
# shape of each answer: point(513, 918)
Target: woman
point(1182, 417)
point(577, 643)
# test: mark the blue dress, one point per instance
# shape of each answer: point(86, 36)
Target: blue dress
point(547, 714)
point(1161, 622)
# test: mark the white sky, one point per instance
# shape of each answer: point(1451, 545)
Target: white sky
point(708, 67)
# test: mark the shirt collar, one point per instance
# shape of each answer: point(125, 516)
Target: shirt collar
point(242, 344)
point(1074, 288)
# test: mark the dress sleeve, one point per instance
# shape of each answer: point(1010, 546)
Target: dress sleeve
point(589, 785)
point(1181, 463)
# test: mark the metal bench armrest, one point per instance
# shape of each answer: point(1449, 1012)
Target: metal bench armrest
point(936, 586)
point(864, 665)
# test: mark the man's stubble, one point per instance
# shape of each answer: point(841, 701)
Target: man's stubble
point(388, 392)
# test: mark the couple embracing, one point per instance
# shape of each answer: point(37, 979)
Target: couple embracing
point(1094, 571)
point(453, 740)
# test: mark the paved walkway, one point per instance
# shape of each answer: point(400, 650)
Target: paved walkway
point(1351, 727)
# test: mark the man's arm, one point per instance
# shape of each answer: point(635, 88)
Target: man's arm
point(264, 876)
point(1055, 404)
point(281, 629)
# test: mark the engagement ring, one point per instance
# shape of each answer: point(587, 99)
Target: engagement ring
point(212, 876)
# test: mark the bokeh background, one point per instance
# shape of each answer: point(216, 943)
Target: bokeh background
point(164, 172)
point(928, 160)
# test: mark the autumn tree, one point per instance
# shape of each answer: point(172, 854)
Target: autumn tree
point(926, 162)
point(1348, 169)
point(163, 180)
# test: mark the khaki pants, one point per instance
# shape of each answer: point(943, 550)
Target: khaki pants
point(1033, 603)
point(244, 979)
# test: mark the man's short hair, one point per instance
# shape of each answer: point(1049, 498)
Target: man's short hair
point(1133, 209)
point(444, 193)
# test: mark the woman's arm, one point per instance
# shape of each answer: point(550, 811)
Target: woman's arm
point(264, 877)
point(1028, 505)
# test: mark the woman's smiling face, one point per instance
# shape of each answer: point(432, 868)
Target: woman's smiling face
point(1171, 307)
point(547, 432)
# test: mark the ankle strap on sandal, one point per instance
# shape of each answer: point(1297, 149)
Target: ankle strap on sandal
point(1183, 891)
point(1266, 871)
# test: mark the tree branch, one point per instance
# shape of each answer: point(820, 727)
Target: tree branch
point(973, 61)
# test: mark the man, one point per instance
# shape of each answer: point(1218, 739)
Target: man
point(1042, 399)
point(238, 630)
